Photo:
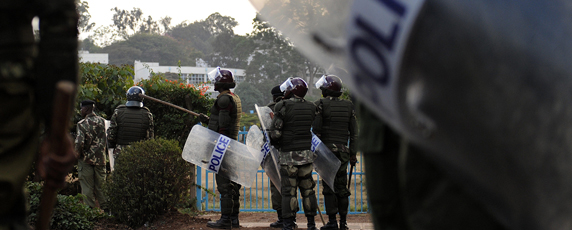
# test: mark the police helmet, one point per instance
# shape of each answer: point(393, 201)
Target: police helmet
point(294, 86)
point(331, 85)
point(223, 79)
point(133, 98)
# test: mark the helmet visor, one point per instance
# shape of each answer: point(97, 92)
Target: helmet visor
point(214, 75)
point(286, 85)
point(321, 82)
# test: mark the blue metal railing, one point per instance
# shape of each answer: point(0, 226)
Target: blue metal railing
point(258, 197)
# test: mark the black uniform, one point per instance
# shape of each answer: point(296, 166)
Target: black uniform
point(129, 124)
point(336, 125)
point(225, 119)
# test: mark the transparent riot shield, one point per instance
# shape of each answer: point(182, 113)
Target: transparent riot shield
point(326, 163)
point(221, 155)
point(255, 139)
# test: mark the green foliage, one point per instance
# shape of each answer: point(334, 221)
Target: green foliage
point(250, 95)
point(171, 123)
point(148, 48)
point(69, 213)
point(248, 120)
point(150, 178)
point(105, 84)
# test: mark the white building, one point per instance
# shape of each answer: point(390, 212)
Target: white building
point(192, 75)
point(85, 56)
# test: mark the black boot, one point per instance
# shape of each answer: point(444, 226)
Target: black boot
point(288, 224)
point(223, 223)
point(234, 221)
point(311, 223)
point(332, 223)
point(279, 223)
point(343, 223)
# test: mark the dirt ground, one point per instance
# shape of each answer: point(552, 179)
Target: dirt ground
point(175, 220)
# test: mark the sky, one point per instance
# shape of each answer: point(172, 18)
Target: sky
point(179, 10)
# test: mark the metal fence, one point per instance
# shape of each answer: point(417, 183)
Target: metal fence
point(257, 198)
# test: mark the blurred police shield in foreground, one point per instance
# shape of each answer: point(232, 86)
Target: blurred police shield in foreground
point(483, 86)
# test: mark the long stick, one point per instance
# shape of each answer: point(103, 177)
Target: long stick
point(57, 151)
point(172, 105)
point(350, 179)
point(320, 212)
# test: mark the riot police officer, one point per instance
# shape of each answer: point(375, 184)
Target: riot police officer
point(335, 125)
point(29, 72)
point(131, 122)
point(290, 128)
point(277, 96)
point(225, 119)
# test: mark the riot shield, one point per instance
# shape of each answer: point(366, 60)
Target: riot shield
point(255, 139)
point(326, 163)
point(221, 155)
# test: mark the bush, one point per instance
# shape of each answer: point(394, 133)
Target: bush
point(171, 123)
point(150, 178)
point(69, 212)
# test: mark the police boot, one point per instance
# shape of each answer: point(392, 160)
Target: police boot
point(234, 221)
point(288, 224)
point(223, 223)
point(332, 223)
point(278, 223)
point(311, 223)
point(343, 223)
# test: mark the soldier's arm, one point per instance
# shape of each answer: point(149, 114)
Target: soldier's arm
point(317, 125)
point(151, 131)
point(277, 122)
point(112, 131)
point(79, 139)
point(225, 105)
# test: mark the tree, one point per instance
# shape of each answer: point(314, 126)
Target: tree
point(83, 24)
point(131, 22)
point(148, 48)
point(250, 95)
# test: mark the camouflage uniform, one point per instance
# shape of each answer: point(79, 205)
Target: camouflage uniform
point(25, 96)
point(291, 129)
point(90, 144)
point(335, 124)
point(125, 127)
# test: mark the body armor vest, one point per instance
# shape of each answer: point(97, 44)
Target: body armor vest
point(298, 118)
point(235, 115)
point(132, 124)
point(336, 115)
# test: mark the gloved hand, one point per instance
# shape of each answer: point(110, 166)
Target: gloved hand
point(353, 160)
point(203, 118)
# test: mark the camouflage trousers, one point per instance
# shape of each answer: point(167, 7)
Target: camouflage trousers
point(338, 201)
point(295, 177)
point(91, 178)
point(19, 138)
point(229, 196)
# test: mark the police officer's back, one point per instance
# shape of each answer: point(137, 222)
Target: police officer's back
point(336, 125)
point(131, 122)
point(290, 129)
